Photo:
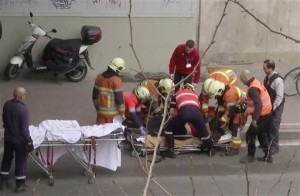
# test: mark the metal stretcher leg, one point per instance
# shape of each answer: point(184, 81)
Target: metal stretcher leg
point(46, 165)
point(87, 166)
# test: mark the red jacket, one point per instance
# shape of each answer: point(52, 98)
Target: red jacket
point(132, 104)
point(186, 97)
point(179, 60)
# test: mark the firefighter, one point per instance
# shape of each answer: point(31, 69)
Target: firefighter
point(134, 102)
point(260, 109)
point(234, 117)
point(226, 76)
point(157, 88)
point(108, 92)
point(185, 108)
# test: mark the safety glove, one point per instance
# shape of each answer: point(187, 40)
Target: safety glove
point(143, 131)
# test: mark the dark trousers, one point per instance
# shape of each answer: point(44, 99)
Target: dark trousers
point(187, 114)
point(178, 77)
point(274, 130)
point(21, 154)
point(261, 132)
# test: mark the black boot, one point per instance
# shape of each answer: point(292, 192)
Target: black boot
point(4, 182)
point(21, 186)
point(231, 152)
point(208, 147)
point(265, 158)
point(170, 153)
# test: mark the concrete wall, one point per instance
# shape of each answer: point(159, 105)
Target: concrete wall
point(240, 39)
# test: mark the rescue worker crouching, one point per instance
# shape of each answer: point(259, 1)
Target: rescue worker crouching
point(156, 90)
point(185, 108)
point(133, 104)
point(226, 76)
point(108, 93)
point(233, 100)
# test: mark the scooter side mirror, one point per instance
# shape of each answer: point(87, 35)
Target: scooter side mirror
point(54, 31)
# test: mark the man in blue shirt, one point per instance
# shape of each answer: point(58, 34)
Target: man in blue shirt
point(17, 140)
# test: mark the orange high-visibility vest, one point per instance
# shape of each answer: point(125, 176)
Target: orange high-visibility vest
point(264, 96)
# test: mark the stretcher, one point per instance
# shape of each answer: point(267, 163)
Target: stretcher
point(90, 146)
point(142, 145)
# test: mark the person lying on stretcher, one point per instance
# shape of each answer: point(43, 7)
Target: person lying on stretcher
point(185, 108)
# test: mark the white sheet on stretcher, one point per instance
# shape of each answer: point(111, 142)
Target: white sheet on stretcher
point(108, 154)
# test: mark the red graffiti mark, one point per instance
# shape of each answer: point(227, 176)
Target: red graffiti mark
point(115, 2)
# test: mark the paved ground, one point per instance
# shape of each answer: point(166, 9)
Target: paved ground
point(72, 101)
point(174, 175)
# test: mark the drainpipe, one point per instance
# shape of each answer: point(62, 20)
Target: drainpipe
point(198, 26)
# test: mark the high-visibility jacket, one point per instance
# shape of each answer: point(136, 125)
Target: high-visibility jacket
point(233, 97)
point(264, 96)
point(109, 96)
point(186, 97)
point(151, 85)
point(226, 76)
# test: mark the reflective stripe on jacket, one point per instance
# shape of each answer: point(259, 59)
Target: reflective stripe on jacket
point(264, 96)
point(233, 97)
point(110, 96)
point(186, 97)
point(226, 76)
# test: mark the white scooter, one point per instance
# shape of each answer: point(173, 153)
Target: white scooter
point(68, 57)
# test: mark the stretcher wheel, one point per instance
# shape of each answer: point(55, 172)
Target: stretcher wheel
point(51, 181)
point(91, 179)
point(138, 151)
point(127, 147)
point(86, 173)
point(134, 154)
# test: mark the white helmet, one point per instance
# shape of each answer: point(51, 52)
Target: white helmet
point(207, 83)
point(165, 85)
point(216, 88)
point(142, 93)
point(190, 86)
point(117, 64)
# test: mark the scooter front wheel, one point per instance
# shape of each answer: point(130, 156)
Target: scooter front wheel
point(12, 71)
point(77, 74)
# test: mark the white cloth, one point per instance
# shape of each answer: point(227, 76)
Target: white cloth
point(62, 130)
point(108, 154)
point(107, 149)
point(37, 135)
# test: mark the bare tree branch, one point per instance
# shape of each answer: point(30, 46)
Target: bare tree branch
point(290, 188)
point(121, 189)
point(284, 171)
point(264, 24)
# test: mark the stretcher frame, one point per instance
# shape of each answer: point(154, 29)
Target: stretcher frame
point(90, 169)
point(140, 149)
